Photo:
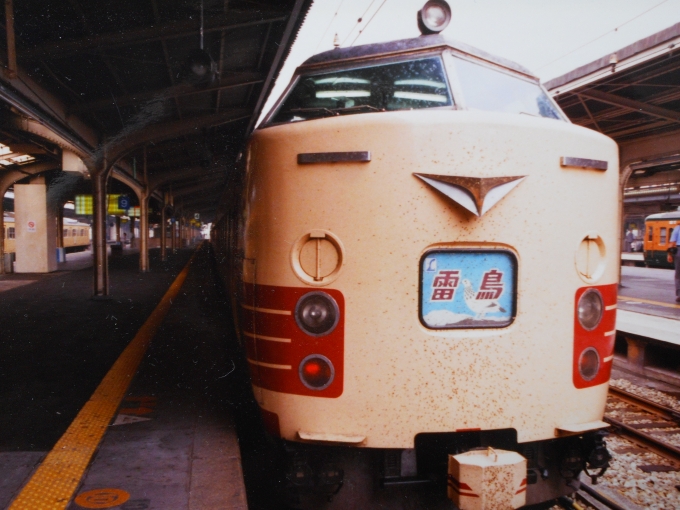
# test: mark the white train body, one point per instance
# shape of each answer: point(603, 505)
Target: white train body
point(394, 215)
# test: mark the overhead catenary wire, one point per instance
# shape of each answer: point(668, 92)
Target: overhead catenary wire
point(329, 25)
point(359, 20)
point(369, 22)
point(603, 35)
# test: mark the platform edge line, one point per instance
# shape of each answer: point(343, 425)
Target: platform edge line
point(649, 302)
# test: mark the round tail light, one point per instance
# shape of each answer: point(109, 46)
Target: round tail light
point(317, 313)
point(590, 308)
point(316, 372)
point(589, 364)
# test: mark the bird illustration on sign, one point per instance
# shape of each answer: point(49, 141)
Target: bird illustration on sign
point(480, 302)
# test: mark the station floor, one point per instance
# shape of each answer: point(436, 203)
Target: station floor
point(169, 442)
point(646, 306)
point(649, 291)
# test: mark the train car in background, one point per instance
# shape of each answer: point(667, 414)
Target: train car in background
point(405, 282)
point(77, 235)
point(658, 230)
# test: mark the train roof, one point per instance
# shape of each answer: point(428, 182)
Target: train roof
point(672, 215)
point(74, 221)
point(68, 222)
point(368, 51)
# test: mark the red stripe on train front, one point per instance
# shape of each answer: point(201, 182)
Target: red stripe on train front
point(276, 345)
point(600, 339)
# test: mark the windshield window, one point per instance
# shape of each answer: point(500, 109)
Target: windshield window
point(397, 86)
point(487, 89)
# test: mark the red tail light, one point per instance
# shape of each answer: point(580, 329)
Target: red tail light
point(316, 372)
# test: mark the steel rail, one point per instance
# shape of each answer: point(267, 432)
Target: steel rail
point(591, 497)
point(596, 499)
point(646, 404)
point(644, 439)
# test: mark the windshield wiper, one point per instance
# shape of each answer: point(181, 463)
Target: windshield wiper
point(314, 109)
point(357, 108)
point(333, 112)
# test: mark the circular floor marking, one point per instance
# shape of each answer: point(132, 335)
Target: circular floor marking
point(102, 498)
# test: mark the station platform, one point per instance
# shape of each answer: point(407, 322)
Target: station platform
point(646, 304)
point(632, 259)
point(120, 403)
point(648, 324)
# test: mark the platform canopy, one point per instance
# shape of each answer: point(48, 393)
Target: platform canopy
point(629, 94)
point(127, 77)
point(633, 96)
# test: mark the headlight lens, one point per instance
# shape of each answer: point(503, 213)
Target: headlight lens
point(317, 313)
point(434, 16)
point(590, 308)
point(316, 372)
point(589, 364)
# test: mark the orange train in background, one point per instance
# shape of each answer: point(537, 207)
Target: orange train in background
point(405, 283)
point(658, 230)
point(76, 235)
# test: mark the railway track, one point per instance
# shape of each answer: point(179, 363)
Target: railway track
point(643, 422)
point(645, 426)
point(590, 498)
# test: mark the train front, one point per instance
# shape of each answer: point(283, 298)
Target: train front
point(431, 265)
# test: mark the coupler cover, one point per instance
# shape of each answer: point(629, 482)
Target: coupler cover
point(487, 480)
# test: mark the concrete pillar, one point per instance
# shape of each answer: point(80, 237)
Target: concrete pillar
point(164, 233)
point(636, 354)
point(36, 230)
point(144, 233)
point(99, 205)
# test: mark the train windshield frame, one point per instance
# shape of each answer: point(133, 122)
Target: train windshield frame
point(482, 86)
point(444, 79)
point(417, 82)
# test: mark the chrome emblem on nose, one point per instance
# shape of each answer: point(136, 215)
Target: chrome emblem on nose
point(476, 194)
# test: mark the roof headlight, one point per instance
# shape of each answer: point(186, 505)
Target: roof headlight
point(434, 17)
point(590, 308)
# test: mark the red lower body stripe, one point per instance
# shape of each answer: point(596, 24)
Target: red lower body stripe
point(276, 346)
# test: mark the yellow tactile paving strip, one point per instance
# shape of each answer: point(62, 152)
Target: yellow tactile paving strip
point(52, 485)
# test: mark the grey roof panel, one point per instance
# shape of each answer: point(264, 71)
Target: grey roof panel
point(403, 46)
point(622, 54)
point(672, 215)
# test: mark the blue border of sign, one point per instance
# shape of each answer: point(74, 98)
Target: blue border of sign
point(429, 253)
